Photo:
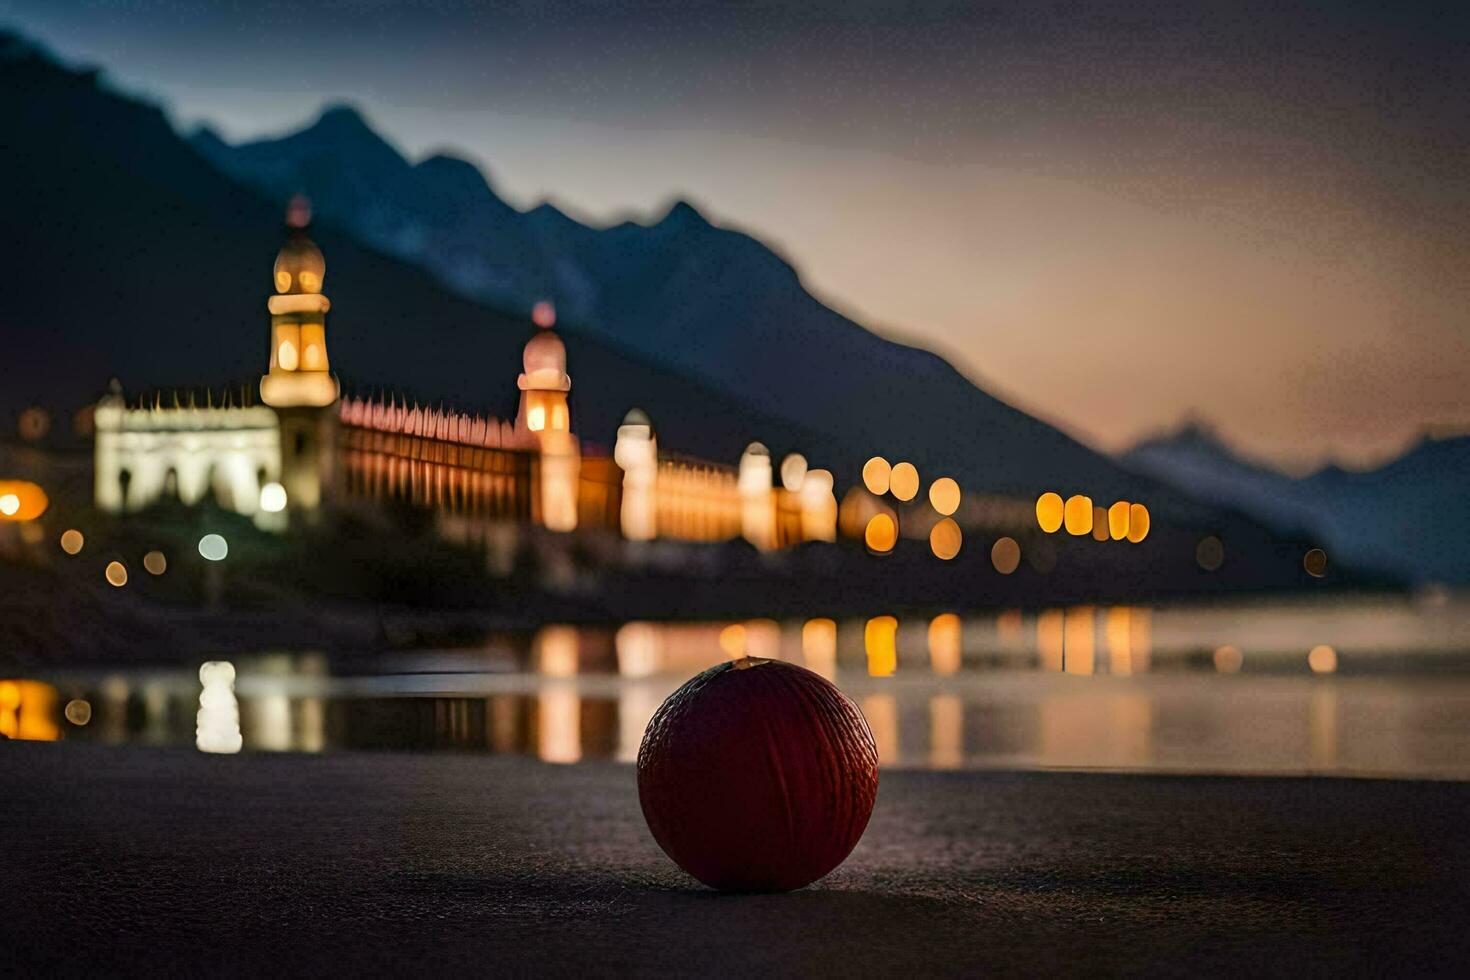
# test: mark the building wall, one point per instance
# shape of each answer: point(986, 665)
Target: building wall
point(143, 455)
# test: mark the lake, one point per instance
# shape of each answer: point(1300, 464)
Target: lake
point(1353, 686)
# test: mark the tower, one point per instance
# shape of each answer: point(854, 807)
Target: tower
point(544, 422)
point(298, 385)
point(544, 386)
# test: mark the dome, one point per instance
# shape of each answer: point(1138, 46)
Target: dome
point(545, 362)
point(300, 267)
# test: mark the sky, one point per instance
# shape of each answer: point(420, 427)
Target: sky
point(1116, 216)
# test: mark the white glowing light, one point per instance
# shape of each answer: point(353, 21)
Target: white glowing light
point(217, 724)
point(272, 499)
point(9, 504)
point(213, 547)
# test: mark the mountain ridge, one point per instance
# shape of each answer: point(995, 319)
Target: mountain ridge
point(1404, 515)
point(711, 302)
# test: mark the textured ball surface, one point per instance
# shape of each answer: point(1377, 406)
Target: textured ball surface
point(757, 775)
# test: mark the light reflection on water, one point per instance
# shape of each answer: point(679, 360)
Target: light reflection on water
point(1224, 689)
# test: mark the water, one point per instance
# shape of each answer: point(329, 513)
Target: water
point(1378, 687)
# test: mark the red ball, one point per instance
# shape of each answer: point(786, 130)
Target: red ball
point(757, 775)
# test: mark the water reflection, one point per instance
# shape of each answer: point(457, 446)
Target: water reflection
point(1123, 687)
point(217, 725)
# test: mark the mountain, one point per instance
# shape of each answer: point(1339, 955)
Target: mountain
point(710, 303)
point(130, 255)
point(1406, 517)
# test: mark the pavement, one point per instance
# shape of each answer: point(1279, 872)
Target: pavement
point(164, 862)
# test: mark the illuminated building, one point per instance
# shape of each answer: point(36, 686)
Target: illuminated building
point(302, 448)
point(297, 384)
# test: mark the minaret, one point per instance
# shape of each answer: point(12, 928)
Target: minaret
point(298, 385)
point(544, 422)
point(544, 383)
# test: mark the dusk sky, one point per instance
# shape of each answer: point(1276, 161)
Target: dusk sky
point(1112, 218)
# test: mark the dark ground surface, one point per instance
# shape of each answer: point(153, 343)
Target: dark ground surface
point(167, 862)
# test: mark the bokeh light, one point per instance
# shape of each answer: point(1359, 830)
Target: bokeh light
point(78, 712)
point(1322, 659)
point(945, 539)
point(1138, 522)
point(1049, 512)
point(117, 574)
point(213, 547)
point(35, 422)
point(944, 643)
point(1228, 659)
point(155, 563)
point(903, 482)
point(72, 541)
point(880, 641)
point(732, 641)
point(819, 646)
point(1078, 515)
point(1315, 562)
point(272, 498)
point(1118, 520)
point(944, 495)
point(1099, 524)
point(876, 475)
point(1005, 555)
point(1209, 554)
point(21, 500)
point(881, 534)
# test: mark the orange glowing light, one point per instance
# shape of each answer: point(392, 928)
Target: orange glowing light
point(945, 539)
point(876, 475)
point(1005, 555)
point(1138, 522)
point(1049, 512)
point(1322, 659)
point(732, 640)
point(1099, 524)
point(819, 646)
point(1118, 520)
point(944, 643)
point(1228, 659)
point(117, 574)
point(881, 534)
point(1078, 517)
point(21, 500)
point(903, 483)
point(880, 641)
point(944, 495)
point(72, 541)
